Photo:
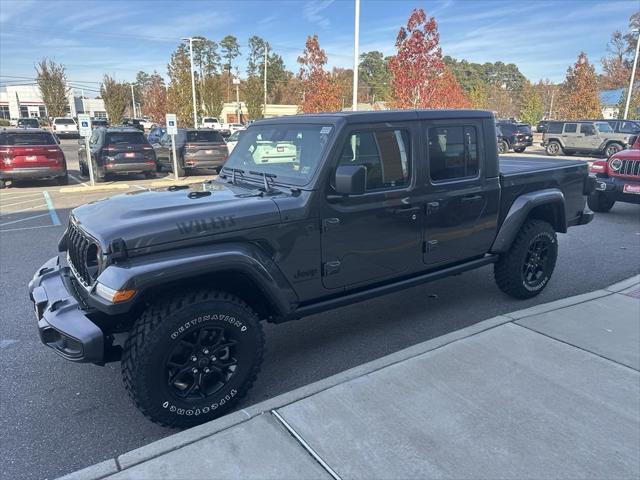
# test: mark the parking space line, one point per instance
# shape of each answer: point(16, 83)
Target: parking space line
point(19, 203)
point(24, 228)
point(25, 219)
point(52, 211)
point(78, 180)
point(140, 187)
point(2, 214)
point(17, 196)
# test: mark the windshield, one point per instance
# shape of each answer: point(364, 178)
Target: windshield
point(64, 121)
point(43, 138)
point(604, 127)
point(289, 151)
point(204, 136)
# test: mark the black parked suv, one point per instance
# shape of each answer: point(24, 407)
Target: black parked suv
point(195, 148)
point(309, 213)
point(515, 136)
point(117, 150)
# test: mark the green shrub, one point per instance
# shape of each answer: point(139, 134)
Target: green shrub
point(4, 122)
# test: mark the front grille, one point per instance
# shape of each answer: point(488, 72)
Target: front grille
point(79, 246)
point(629, 168)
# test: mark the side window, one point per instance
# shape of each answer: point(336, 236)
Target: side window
point(628, 127)
point(570, 127)
point(384, 154)
point(587, 129)
point(453, 153)
point(554, 128)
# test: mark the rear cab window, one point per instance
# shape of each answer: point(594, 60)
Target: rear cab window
point(123, 138)
point(453, 152)
point(64, 121)
point(204, 136)
point(32, 138)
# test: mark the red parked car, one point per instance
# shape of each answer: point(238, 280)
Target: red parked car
point(617, 179)
point(30, 154)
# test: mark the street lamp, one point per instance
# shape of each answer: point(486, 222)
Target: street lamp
point(356, 55)
point(236, 82)
point(193, 79)
point(633, 76)
point(133, 101)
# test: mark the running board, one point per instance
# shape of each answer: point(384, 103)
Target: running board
point(389, 288)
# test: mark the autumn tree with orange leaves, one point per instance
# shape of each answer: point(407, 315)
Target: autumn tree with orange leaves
point(155, 99)
point(320, 92)
point(419, 76)
point(579, 93)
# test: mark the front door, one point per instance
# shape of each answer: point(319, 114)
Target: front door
point(589, 137)
point(375, 236)
point(462, 203)
point(570, 136)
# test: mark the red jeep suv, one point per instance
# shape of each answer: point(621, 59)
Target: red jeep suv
point(617, 179)
point(30, 154)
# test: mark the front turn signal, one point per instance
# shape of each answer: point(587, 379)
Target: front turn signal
point(113, 296)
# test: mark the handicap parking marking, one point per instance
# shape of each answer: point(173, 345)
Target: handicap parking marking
point(25, 211)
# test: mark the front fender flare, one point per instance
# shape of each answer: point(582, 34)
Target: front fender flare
point(519, 212)
point(148, 271)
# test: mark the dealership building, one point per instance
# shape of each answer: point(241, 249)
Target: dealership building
point(22, 101)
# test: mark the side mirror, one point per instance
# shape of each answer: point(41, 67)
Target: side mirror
point(351, 179)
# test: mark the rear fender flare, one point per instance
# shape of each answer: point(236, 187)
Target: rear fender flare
point(519, 212)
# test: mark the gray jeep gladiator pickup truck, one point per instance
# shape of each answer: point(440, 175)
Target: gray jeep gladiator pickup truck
point(309, 213)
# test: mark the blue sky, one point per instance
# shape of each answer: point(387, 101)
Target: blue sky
point(120, 37)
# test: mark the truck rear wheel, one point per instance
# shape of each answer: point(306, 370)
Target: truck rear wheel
point(191, 358)
point(526, 268)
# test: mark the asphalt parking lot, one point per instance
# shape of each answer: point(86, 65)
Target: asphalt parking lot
point(57, 416)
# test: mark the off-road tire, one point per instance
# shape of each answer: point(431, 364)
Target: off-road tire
point(503, 147)
point(553, 148)
point(612, 149)
point(519, 150)
point(508, 271)
point(599, 202)
point(162, 327)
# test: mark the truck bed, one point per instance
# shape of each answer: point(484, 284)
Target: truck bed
point(518, 165)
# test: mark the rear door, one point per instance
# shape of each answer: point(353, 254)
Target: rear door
point(462, 203)
point(589, 138)
point(570, 137)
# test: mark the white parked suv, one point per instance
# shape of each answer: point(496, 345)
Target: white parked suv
point(210, 122)
point(64, 126)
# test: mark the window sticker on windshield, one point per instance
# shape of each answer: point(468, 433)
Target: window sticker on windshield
point(325, 130)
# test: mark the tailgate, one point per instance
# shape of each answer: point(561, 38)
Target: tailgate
point(130, 153)
point(206, 151)
point(36, 156)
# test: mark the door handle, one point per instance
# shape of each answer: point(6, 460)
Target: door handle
point(407, 211)
point(470, 198)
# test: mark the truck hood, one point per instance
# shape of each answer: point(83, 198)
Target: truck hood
point(147, 218)
point(628, 154)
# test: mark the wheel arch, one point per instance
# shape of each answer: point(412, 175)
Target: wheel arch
point(547, 205)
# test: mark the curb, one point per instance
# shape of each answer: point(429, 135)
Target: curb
point(96, 188)
point(192, 435)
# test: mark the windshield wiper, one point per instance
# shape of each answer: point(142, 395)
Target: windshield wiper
point(265, 176)
point(233, 173)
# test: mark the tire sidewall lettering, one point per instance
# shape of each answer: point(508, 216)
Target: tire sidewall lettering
point(167, 405)
point(221, 317)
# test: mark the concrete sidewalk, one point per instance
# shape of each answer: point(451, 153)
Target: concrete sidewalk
point(548, 392)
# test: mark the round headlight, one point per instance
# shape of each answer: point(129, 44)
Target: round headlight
point(616, 164)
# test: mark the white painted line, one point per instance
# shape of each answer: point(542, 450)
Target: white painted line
point(306, 446)
point(2, 214)
point(24, 219)
point(52, 211)
point(140, 187)
point(24, 201)
point(4, 230)
point(78, 180)
point(16, 196)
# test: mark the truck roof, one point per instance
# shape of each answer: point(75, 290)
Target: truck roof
point(377, 116)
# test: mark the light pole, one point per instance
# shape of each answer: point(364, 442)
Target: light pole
point(266, 50)
point(356, 55)
point(236, 82)
point(133, 101)
point(193, 80)
point(633, 76)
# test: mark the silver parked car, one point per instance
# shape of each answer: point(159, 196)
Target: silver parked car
point(582, 136)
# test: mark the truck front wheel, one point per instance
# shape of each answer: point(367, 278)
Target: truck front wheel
point(190, 358)
point(526, 268)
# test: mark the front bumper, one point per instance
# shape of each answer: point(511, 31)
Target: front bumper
point(33, 173)
point(63, 323)
point(613, 187)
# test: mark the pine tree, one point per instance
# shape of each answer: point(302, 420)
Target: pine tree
point(579, 92)
point(179, 98)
